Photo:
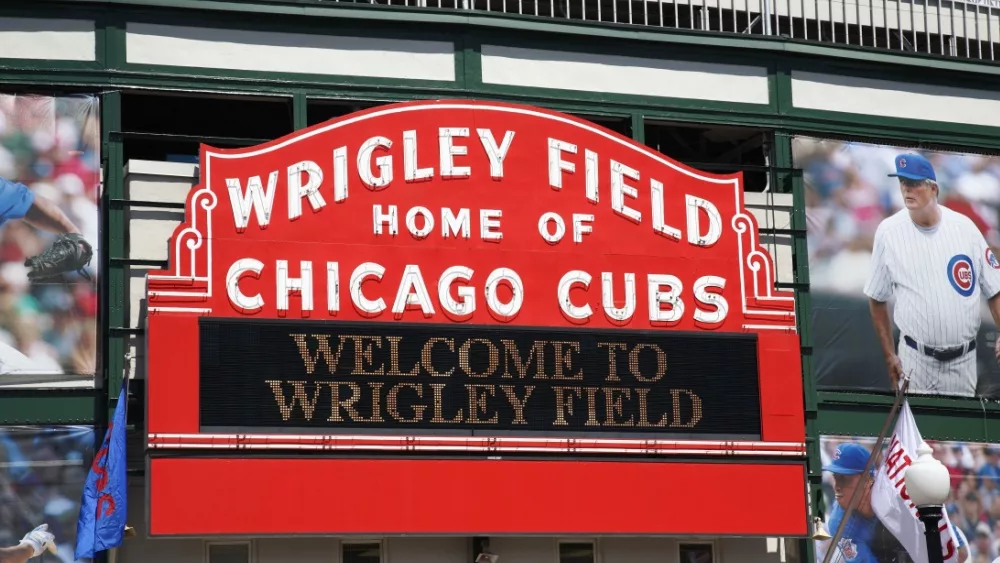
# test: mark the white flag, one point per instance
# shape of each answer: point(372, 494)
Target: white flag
point(892, 504)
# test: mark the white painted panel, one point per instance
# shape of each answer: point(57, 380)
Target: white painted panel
point(150, 229)
point(262, 51)
point(564, 70)
point(774, 211)
point(886, 98)
point(47, 39)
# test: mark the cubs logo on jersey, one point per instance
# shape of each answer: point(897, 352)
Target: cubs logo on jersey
point(991, 259)
point(962, 275)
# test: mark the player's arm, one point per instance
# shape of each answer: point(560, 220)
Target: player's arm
point(17, 554)
point(19, 202)
point(989, 268)
point(44, 214)
point(878, 288)
point(34, 544)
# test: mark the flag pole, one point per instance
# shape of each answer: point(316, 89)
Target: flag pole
point(866, 475)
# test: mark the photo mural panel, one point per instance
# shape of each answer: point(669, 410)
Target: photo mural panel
point(50, 183)
point(868, 240)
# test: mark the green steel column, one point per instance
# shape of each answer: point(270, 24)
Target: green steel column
point(791, 180)
point(115, 249)
point(639, 127)
point(300, 111)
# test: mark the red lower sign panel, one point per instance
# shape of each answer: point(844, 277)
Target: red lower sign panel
point(466, 497)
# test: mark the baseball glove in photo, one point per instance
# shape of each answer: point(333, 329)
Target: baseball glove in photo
point(69, 253)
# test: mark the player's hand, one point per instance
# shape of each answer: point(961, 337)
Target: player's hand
point(895, 367)
point(39, 540)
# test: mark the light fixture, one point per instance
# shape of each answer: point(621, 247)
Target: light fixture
point(928, 483)
point(487, 557)
point(819, 530)
point(129, 532)
point(927, 479)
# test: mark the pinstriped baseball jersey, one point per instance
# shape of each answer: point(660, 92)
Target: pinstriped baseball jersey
point(936, 275)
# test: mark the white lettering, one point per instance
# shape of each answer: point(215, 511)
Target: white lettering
point(619, 189)
point(301, 285)
point(339, 174)
point(332, 287)
point(556, 164)
point(495, 153)
point(452, 225)
point(504, 311)
point(694, 222)
point(704, 296)
point(391, 219)
point(581, 226)
point(617, 314)
point(659, 220)
point(412, 291)
point(358, 277)
point(590, 168)
point(466, 304)
point(297, 190)
point(544, 230)
point(411, 172)
point(411, 222)
point(256, 198)
point(383, 163)
point(446, 144)
point(241, 301)
point(657, 297)
point(489, 219)
point(566, 284)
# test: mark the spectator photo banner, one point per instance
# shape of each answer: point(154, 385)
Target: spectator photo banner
point(973, 504)
point(42, 473)
point(933, 277)
point(49, 186)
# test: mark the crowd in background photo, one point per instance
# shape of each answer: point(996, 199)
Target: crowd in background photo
point(52, 145)
point(848, 193)
point(42, 473)
point(974, 500)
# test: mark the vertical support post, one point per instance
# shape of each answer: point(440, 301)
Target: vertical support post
point(300, 111)
point(638, 128)
point(112, 293)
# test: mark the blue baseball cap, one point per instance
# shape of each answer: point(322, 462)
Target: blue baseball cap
point(848, 459)
point(914, 167)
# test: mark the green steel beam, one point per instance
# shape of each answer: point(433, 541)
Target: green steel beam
point(48, 407)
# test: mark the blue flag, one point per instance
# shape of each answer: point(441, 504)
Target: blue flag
point(101, 524)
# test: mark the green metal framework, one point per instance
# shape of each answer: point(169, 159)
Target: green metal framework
point(110, 75)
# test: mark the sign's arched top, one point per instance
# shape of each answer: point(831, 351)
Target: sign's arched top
point(470, 212)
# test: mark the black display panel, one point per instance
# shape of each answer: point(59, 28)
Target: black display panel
point(358, 377)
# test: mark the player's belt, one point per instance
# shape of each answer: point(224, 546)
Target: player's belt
point(941, 354)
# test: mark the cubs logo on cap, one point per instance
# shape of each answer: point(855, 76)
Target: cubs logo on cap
point(991, 259)
point(913, 166)
point(848, 459)
point(962, 275)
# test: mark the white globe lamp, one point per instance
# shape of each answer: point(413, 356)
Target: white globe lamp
point(928, 484)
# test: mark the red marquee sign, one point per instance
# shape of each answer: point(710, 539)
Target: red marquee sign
point(433, 279)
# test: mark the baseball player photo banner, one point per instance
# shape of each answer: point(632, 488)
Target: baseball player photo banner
point(882, 528)
point(49, 187)
point(43, 470)
point(903, 267)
